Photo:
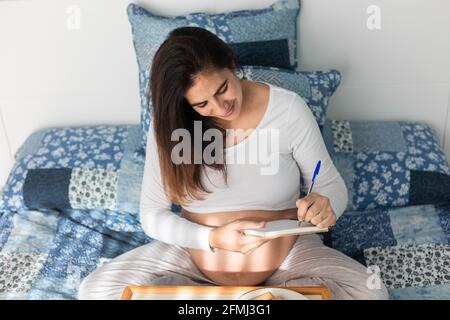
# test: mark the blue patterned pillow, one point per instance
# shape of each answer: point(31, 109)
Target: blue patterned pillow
point(78, 168)
point(388, 163)
point(315, 87)
point(265, 37)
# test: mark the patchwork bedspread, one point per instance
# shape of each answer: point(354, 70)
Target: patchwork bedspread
point(49, 244)
point(76, 168)
point(45, 255)
point(71, 202)
point(409, 246)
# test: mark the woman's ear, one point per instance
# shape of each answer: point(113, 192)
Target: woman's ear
point(239, 72)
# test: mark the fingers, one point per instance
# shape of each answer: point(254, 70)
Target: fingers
point(251, 243)
point(303, 204)
point(328, 222)
point(248, 243)
point(250, 240)
point(321, 216)
point(313, 211)
point(249, 224)
point(315, 207)
point(250, 248)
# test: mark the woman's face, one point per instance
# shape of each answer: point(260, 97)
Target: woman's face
point(216, 93)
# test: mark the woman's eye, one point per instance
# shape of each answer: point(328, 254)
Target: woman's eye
point(221, 92)
point(224, 89)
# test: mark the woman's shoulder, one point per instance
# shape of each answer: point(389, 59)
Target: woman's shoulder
point(287, 99)
point(266, 88)
point(284, 98)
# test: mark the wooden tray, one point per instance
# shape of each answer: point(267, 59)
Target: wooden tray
point(209, 292)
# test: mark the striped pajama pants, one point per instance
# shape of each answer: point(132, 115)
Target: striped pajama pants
point(309, 263)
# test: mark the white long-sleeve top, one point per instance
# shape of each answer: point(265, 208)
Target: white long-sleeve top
point(251, 185)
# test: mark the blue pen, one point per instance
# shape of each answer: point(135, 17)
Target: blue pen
point(316, 172)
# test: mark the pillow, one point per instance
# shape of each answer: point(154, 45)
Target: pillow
point(260, 37)
point(315, 87)
point(78, 168)
point(264, 37)
point(388, 163)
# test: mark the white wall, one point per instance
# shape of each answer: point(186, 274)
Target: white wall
point(53, 76)
point(400, 72)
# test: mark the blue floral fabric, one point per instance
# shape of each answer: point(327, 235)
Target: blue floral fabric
point(265, 37)
point(46, 254)
point(409, 247)
point(388, 163)
point(315, 87)
point(88, 167)
point(277, 22)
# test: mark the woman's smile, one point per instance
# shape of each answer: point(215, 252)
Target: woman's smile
point(230, 111)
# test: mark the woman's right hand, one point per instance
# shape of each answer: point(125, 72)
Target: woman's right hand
point(231, 236)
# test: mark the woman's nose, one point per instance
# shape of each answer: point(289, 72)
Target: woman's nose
point(221, 106)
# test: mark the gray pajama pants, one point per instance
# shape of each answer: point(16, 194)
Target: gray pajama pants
point(309, 263)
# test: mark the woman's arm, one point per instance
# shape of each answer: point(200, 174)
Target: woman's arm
point(157, 219)
point(308, 147)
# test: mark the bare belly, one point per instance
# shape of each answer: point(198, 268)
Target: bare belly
point(235, 268)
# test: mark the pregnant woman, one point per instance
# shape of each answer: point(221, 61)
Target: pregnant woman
point(194, 81)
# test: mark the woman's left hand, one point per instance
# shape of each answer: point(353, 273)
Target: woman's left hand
point(316, 209)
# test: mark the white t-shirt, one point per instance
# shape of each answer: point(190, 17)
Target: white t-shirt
point(271, 182)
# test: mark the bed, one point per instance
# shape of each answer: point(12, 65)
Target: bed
point(49, 244)
point(71, 201)
point(45, 253)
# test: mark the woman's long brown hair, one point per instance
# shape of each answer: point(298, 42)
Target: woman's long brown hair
point(186, 52)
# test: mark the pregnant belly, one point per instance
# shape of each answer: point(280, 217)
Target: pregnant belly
point(235, 268)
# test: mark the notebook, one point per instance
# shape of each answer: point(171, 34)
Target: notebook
point(284, 227)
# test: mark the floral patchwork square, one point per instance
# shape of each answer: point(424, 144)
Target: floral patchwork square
point(18, 270)
point(424, 150)
point(381, 180)
point(70, 147)
point(342, 136)
point(388, 163)
point(93, 188)
point(356, 231)
point(411, 265)
point(75, 247)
